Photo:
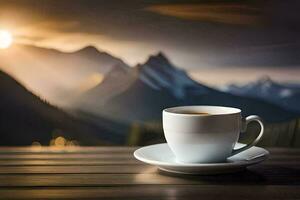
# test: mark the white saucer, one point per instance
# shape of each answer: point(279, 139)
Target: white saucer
point(161, 156)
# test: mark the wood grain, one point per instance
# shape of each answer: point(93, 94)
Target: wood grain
point(67, 162)
point(156, 192)
point(113, 173)
point(255, 175)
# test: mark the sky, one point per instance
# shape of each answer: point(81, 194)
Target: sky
point(195, 35)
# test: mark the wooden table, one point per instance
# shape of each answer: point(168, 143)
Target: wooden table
point(113, 173)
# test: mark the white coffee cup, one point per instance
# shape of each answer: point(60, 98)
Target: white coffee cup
point(205, 138)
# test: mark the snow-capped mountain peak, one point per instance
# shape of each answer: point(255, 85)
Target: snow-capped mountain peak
point(284, 93)
point(267, 89)
point(159, 73)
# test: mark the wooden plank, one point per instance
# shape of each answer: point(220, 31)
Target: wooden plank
point(104, 152)
point(157, 192)
point(69, 162)
point(108, 162)
point(284, 150)
point(263, 175)
point(95, 173)
point(106, 156)
point(104, 159)
point(109, 168)
point(79, 149)
point(65, 156)
point(99, 149)
point(104, 169)
point(284, 157)
point(100, 162)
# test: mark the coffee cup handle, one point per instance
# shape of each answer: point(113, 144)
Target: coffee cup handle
point(244, 128)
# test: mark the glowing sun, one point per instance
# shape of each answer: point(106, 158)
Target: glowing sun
point(6, 39)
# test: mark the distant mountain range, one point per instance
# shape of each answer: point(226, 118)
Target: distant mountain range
point(158, 84)
point(102, 100)
point(25, 118)
point(284, 95)
point(56, 75)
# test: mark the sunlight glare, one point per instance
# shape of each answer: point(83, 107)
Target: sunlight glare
point(91, 82)
point(6, 39)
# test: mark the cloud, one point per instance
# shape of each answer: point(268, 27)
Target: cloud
point(233, 13)
point(194, 33)
point(39, 30)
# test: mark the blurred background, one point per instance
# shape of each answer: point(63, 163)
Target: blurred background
point(100, 72)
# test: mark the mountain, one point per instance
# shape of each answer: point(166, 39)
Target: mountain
point(159, 74)
point(55, 75)
point(159, 84)
point(116, 81)
point(283, 95)
point(139, 103)
point(25, 118)
point(149, 78)
point(147, 84)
